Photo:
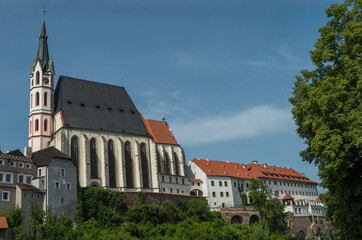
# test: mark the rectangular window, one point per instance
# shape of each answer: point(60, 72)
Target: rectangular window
point(280, 183)
point(20, 178)
point(220, 183)
point(21, 165)
point(5, 196)
point(295, 210)
point(2, 162)
point(12, 164)
point(62, 172)
point(223, 205)
point(227, 194)
point(213, 194)
point(176, 180)
point(269, 182)
point(1, 177)
point(57, 185)
point(163, 178)
point(192, 184)
point(225, 183)
point(28, 179)
point(221, 194)
point(183, 181)
point(68, 186)
point(170, 178)
point(275, 183)
point(66, 162)
point(163, 189)
point(234, 184)
point(28, 166)
point(247, 185)
point(8, 178)
point(178, 191)
point(171, 190)
point(39, 171)
point(198, 184)
point(212, 183)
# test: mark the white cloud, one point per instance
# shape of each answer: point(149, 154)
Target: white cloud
point(252, 122)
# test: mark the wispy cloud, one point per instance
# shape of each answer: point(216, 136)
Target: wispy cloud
point(252, 122)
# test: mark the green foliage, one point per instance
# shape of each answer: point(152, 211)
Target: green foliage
point(244, 199)
point(142, 197)
point(271, 210)
point(328, 113)
point(105, 206)
point(14, 218)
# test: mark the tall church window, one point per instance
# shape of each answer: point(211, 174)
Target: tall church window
point(37, 78)
point(45, 125)
point(37, 99)
point(159, 162)
point(74, 150)
point(93, 158)
point(144, 164)
point(36, 125)
point(177, 164)
point(111, 165)
point(167, 164)
point(45, 99)
point(129, 162)
point(31, 100)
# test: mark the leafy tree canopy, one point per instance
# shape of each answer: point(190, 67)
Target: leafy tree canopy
point(328, 113)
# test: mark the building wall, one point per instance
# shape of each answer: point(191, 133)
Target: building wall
point(296, 189)
point(14, 169)
point(59, 199)
point(174, 184)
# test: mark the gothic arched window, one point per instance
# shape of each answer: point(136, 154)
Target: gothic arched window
point(45, 125)
point(93, 158)
point(129, 163)
point(36, 125)
point(177, 164)
point(37, 99)
point(144, 165)
point(74, 150)
point(45, 99)
point(167, 164)
point(111, 165)
point(159, 162)
point(37, 78)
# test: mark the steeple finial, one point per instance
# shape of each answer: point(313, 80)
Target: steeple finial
point(163, 118)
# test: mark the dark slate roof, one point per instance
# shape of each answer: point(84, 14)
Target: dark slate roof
point(45, 156)
point(43, 54)
point(97, 106)
point(14, 158)
point(16, 152)
point(23, 186)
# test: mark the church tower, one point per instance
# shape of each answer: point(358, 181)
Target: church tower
point(41, 95)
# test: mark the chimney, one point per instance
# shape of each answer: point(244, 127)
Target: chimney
point(255, 162)
point(265, 165)
point(27, 152)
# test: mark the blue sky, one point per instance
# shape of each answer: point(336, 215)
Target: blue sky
point(221, 71)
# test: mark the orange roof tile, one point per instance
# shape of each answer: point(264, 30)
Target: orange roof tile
point(3, 222)
point(194, 180)
point(318, 200)
point(287, 197)
point(270, 172)
point(218, 168)
point(160, 131)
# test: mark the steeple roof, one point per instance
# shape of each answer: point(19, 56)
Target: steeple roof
point(43, 54)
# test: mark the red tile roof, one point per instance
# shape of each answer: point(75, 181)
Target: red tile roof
point(257, 171)
point(287, 197)
point(218, 168)
point(318, 200)
point(194, 180)
point(160, 131)
point(270, 172)
point(3, 223)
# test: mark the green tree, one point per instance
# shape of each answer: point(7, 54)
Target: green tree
point(271, 210)
point(14, 218)
point(328, 113)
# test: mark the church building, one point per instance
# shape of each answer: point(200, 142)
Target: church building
point(100, 128)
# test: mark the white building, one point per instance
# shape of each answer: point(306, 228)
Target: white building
point(224, 183)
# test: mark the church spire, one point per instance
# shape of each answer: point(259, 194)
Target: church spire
point(43, 54)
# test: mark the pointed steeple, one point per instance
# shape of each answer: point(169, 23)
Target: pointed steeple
point(43, 54)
